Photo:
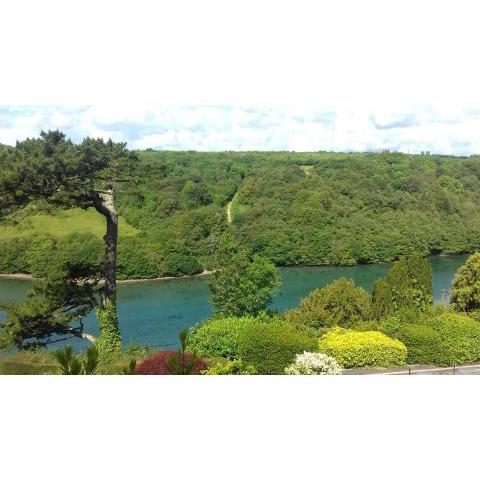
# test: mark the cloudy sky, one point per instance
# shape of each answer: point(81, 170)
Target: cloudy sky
point(203, 128)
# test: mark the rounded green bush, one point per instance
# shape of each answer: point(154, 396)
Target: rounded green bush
point(218, 337)
point(363, 349)
point(424, 344)
point(271, 347)
point(460, 338)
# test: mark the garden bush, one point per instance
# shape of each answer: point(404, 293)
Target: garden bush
point(440, 338)
point(232, 367)
point(363, 349)
point(313, 363)
point(339, 303)
point(424, 344)
point(460, 337)
point(159, 364)
point(271, 347)
point(218, 337)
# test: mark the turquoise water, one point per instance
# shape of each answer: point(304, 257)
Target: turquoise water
point(153, 313)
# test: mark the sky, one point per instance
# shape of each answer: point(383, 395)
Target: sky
point(293, 128)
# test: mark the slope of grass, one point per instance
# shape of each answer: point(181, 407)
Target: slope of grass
point(62, 223)
point(236, 209)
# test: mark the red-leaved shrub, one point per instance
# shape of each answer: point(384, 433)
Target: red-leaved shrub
point(158, 364)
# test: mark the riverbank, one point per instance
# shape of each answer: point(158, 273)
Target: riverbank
point(26, 276)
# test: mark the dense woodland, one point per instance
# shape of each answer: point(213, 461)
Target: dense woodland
point(293, 208)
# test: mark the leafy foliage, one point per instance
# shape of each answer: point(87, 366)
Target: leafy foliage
point(339, 303)
point(72, 365)
point(55, 309)
point(465, 292)
point(244, 285)
point(109, 343)
point(407, 286)
point(218, 337)
point(363, 349)
point(271, 347)
point(440, 339)
point(178, 264)
point(232, 367)
point(160, 364)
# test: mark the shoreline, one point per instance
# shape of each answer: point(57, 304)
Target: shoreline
point(27, 276)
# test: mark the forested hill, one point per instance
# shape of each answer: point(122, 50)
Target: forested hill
point(295, 208)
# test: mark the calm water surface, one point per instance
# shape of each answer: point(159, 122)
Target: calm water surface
point(153, 313)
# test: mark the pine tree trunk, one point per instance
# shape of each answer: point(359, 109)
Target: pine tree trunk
point(105, 205)
point(109, 341)
point(110, 260)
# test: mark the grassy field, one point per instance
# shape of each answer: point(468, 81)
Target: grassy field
point(63, 223)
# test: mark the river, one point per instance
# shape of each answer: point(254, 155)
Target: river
point(153, 313)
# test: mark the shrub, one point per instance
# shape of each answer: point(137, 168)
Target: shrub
point(407, 286)
point(72, 365)
point(233, 367)
point(424, 344)
point(270, 347)
point(340, 303)
point(160, 363)
point(363, 349)
point(178, 264)
point(441, 339)
point(465, 292)
point(313, 363)
point(218, 337)
point(460, 338)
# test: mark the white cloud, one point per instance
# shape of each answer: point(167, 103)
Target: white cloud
point(300, 128)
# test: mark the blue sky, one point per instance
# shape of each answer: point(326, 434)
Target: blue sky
point(297, 128)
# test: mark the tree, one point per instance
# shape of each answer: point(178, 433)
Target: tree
point(54, 310)
point(339, 303)
point(407, 286)
point(53, 169)
point(243, 285)
point(465, 292)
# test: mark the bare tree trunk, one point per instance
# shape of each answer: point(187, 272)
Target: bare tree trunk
point(105, 205)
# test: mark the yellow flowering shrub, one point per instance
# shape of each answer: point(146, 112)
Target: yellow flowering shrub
point(363, 349)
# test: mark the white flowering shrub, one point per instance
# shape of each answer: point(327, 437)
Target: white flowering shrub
point(312, 363)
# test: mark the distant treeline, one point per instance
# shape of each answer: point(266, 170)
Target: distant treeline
point(294, 208)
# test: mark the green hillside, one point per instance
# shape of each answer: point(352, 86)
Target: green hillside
point(61, 224)
point(317, 208)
